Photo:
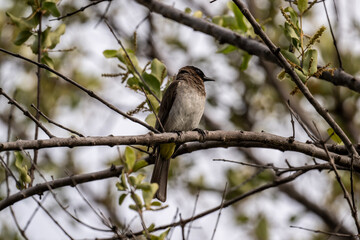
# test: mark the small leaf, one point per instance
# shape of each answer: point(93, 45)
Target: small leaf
point(158, 69)
point(301, 75)
point(151, 119)
point(245, 61)
point(110, 53)
point(239, 17)
point(119, 186)
point(290, 56)
point(152, 82)
point(132, 181)
point(310, 62)
point(22, 37)
point(45, 59)
point(137, 200)
point(198, 14)
point(188, 10)
point(227, 49)
point(52, 8)
point(122, 198)
point(123, 181)
point(302, 5)
point(140, 164)
point(130, 158)
point(149, 193)
point(334, 136)
point(262, 229)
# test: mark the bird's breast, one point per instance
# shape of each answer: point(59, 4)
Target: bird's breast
point(187, 109)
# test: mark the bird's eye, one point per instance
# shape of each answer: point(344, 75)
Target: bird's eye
point(199, 72)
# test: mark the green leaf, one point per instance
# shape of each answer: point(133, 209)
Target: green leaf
point(239, 17)
point(152, 82)
point(132, 181)
point(334, 136)
point(137, 200)
point(133, 83)
point(52, 8)
point(245, 61)
point(290, 56)
point(154, 103)
point(45, 59)
point(301, 75)
point(22, 37)
point(148, 194)
point(23, 23)
point(119, 186)
point(55, 35)
point(310, 62)
point(140, 164)
point(158, 69)
point(198, 14)
point(293, 15)
point(130, 158)
point(122, 198)
point(188, 10)
point(262, 229)
point(151, 119)
point(110, 53)
point(123, 180)
point(302, 5)
point(227, 49)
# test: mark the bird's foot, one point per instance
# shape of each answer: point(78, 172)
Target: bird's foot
point(178, 133)
point(202, 132)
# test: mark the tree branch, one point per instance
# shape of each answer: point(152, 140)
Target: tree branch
point(252, 46)
point(211, 140)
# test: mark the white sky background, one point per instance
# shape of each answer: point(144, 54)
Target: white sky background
point(95, 119)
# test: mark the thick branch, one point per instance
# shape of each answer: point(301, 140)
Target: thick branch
point(252, 46)
point(62, 182)
point(212, 139)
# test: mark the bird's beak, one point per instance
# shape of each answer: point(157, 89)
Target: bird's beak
point(206, 79)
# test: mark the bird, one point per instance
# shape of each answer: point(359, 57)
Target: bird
point(181, 109)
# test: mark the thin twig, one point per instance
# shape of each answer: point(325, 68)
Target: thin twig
point(80, 9)
point(333, 36)
point(193, 214)
point(140, 77)
point(55, 123)
point(89, 92)
point(325, 232)
point(221, 207)
point(26, 113)
point(52, 218)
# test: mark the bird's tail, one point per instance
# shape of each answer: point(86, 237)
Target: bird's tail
point(160, 176)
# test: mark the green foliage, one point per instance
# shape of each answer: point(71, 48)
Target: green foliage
point(334, 136)
point(22, 167)
point(305, 60)
point(262, 229)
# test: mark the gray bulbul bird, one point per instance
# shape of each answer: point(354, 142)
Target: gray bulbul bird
point(181, 109)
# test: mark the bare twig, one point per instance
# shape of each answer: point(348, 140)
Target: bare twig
point(325, 232)
point(80, 9)
point(221, 207)
point(193, 214)
point(26, 113)
point(56, 124)
point(333, 36)
point(52, 218)
point(89, 92)
point(252, 46)
point(140, 77)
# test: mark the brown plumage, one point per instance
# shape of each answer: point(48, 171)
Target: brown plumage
point(181, 109)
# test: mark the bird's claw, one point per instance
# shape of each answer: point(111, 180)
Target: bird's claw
point(202, 133)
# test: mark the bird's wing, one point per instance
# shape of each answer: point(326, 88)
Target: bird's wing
point(166, 104)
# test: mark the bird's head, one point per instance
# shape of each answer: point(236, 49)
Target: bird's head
point(194, 71)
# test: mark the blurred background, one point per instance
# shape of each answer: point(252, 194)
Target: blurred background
point(246, 96)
